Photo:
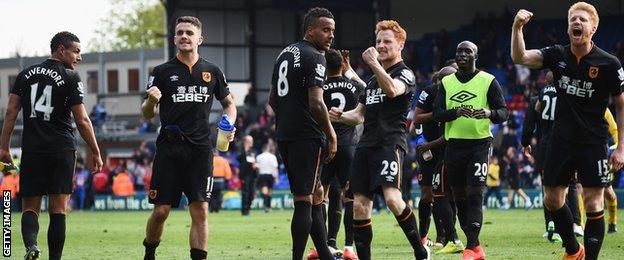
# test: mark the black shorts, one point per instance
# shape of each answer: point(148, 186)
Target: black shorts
point(374, 167)
point(440, 185)
point(47, 173)
point(467, 166)
point(302, 160)
point(539, 153)
point(339, 167)
point(180, 166)
point(429, 168)
point(266, 180)
point(589, 161)
point(513, 181)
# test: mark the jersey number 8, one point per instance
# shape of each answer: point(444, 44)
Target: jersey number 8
point(282, 81)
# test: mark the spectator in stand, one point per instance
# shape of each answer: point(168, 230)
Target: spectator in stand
point(221, 173)
point(123, 185)
point(11, 182)
point(248, 173)
point(98, 118)
point(493, 182)
point(100, 182)
point(140, 171)
point(81, 176)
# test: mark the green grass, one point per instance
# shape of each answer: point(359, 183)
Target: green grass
point(514, 234)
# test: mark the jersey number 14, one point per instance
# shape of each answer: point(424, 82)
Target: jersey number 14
point(43, 103)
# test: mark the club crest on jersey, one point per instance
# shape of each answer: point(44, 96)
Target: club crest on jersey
point(207, 76)
point(152, 194)
point(593, 72)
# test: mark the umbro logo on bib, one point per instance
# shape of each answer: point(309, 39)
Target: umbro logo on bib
point(462, 96)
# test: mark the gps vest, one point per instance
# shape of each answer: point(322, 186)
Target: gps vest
point(473, 95)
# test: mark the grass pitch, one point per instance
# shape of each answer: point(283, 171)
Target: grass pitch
point(514, 234)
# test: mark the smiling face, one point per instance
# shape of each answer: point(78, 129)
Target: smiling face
point(321, 33)
point(581, 28)
point(187, 37)
point(388, 46)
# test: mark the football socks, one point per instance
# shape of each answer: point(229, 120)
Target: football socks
point(594, 234)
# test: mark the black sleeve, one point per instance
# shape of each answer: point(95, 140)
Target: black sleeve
point(496, 102)
point(76, 90)
point(616, 80)
point(153, 80)
point(18, 85)
point(359, 88)
point(314, 72)
point(220, 89)
point(440, 113)
point(549, 53)
point(407, 77)
point(426, 100)
point(528, 126)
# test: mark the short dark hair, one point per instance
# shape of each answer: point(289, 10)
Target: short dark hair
point(313, 15)
point(334, 60)
point(189, 19)
point(65, 38)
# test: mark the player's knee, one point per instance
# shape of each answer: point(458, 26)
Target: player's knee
point(553, 202)
point(396, 205)
point(160, 214)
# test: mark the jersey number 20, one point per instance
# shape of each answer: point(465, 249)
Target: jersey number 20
point(43, 103)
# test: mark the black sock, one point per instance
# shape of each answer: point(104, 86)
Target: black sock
point(462, 211)
point(436, 214)
point(319, 233)
point(363, 235)
point(443, 207)
point(334, 214)
point(563, 223)
point(300, 227)
point(150, 250)
point(348, 223)
point(594, 234)
point(573, 204)
point(198, 254)
point(267, 201)
point(407, 221)
point(424, 217)
point(474, 218)
point(30, 228)
point(56, 235)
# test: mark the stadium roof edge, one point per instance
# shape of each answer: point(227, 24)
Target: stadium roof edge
point(127, 55)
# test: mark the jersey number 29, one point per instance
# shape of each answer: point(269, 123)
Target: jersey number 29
point(43, 103)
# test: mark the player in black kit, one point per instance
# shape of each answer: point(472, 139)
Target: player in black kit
point(302, 125)
point(342, 92)
point(585, 78)
point(183, 88)
point(49, 93)
point(377, 162)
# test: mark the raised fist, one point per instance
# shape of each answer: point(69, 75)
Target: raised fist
point(522, 18)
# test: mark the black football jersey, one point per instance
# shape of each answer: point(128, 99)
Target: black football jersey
point(298, 67)
point(431, 129)
point(47, 93)
point(583, 90)
point(343, 93)
point(548, 100)
point(385, 119)
point(187, 96)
